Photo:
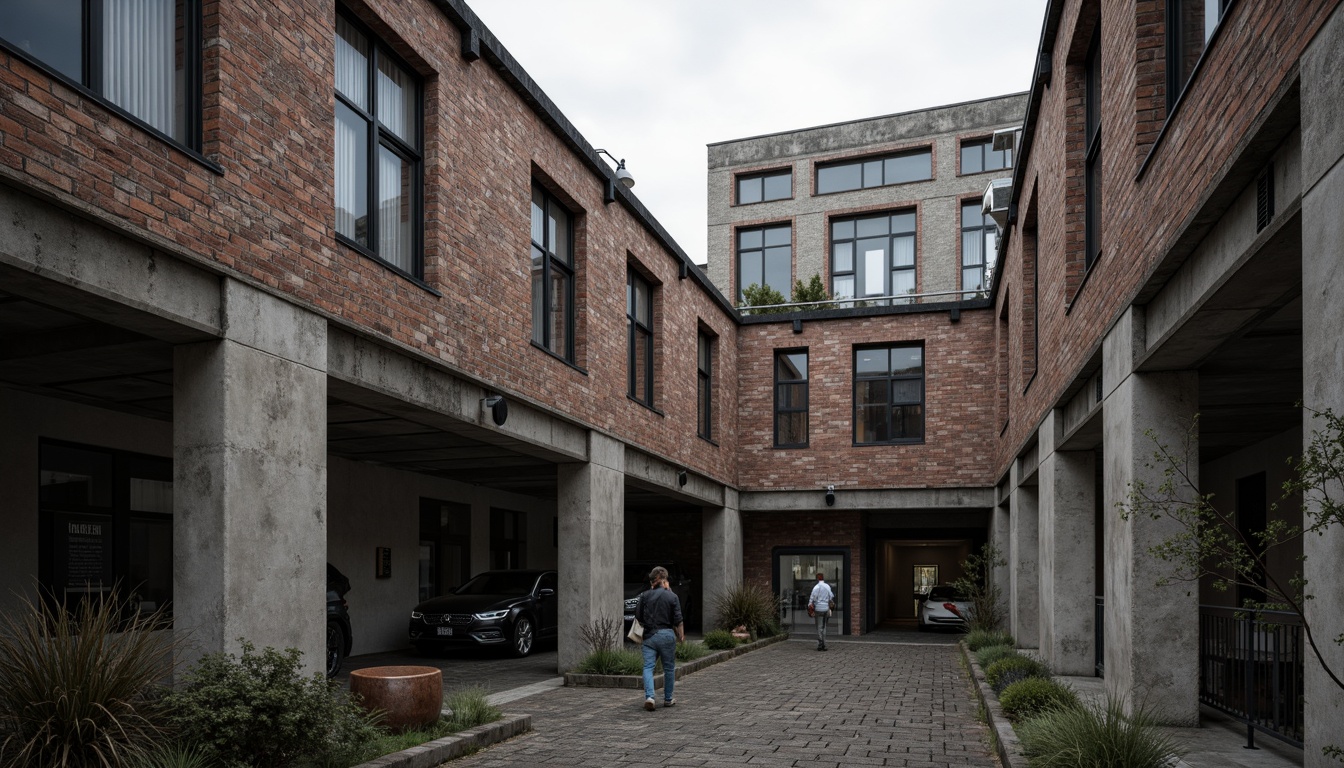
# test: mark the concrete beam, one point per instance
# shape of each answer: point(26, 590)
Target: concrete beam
point(856, 499)
point(656, 474)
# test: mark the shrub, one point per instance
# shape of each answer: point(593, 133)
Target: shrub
point(756, 295)
point(601, 634)
point(1032, 696)
point(992, 653)
point(720, 640)
point(259, 710)
point(177, 756)
point(987, 609)
point(618, 661)
point(1095, 735)
point(79, 684)
point(979, 638)
point(691, 651)
point(471, 708)
point(1009, 670)
point(749, 605)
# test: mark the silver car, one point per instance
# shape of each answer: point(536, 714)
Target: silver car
point(943, 606)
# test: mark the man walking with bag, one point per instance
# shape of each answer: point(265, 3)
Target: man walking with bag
point(659, 611)
point(819, 605)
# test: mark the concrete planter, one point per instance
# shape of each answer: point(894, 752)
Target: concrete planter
point(636, 682)
point(436, 752)
point(1005, 738)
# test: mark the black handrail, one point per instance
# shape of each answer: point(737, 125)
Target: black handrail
point(1251, 667)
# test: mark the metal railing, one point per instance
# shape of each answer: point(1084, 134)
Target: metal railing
point(1251, 667)
point(851, 302)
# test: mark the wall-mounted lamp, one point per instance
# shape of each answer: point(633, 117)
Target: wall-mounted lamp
point(681, 477)
point(625, 177)
point(797, 326)
point(830, 495)
point(954, 315)
point(683, 271)
point(499, 409)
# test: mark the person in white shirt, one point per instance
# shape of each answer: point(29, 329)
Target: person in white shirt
point(820, 603)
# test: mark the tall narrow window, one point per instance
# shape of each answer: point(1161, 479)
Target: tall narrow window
point(142, 56)
point(978, 237)
point(889, 395)
point(552, 275)
point(378, 159)
point(1092, 145)
point(639, 312)
point(1190, 25)
point(791, 397)
point(765, 258)
point(704, 387)
point(873, 256)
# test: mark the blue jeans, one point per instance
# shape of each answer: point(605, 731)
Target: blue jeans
point(661, 644)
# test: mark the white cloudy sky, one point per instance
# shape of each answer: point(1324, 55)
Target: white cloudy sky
point(654, 81)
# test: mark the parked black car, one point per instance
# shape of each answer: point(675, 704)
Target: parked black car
point(637, 580)
point(516, 608)
point(339, 637)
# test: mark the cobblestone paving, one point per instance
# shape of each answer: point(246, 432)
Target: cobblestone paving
point(859, 704)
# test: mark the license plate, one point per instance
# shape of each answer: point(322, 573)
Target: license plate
point(630, 617)
point(445, 631)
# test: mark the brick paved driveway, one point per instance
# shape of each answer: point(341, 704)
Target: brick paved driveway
point(861, 703)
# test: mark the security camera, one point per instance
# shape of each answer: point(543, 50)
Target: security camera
point(681, 477)
point(499, 408)
point(830, 495)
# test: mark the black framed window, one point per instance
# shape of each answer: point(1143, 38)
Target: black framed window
point(765, 258)
point(980, 156)
point(791, 398)
point(1190, 25)
point(552, 275)
point(875, 171)
point(764, 187)
point(639, 312)
point(874, 256)
point(979, 235)
point(379, 166)
point(889, 395)
point(144, 58)
point(1092, 148)
point(704, 385)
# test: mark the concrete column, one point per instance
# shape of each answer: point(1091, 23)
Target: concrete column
point(592, 542)
point(1024, 602)
point(721, 542)
point(1066, 553)
point(1152, 632)
point(250, 480)
point(1323, 360)
point(1000, 538)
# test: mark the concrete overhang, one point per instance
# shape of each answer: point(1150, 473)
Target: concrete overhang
point(849, 499)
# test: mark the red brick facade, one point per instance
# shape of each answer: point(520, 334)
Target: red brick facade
point(763, 531)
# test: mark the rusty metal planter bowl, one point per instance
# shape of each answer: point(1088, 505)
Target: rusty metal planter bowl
point(410, 697)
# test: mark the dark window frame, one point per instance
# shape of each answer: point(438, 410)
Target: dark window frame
point(704, 384)
point(891, 379)
point(1092, 152)
point(640, 327)
point(759, 252)
point(377, 136)
point(889, 266)
point(986, 147)
point(1178, 77)
point(806, 385)
point(761, 177)
point(864, 163)
point(551, 263)
point(986, 225)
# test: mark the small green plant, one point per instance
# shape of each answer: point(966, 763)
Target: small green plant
point(471, 708)
point(812, 290)
point(1034, 695)
point(1009, 670)
point(258, 709)
point(980, 638)
point(601, 634)
point(690, 651)
point(992, 653)
point(987, 608)
point(748, 605)
point(79, 683)
point(177, 756)
point(1096, 736)
point(720, 640)
point(756, 295)
point(617, 661)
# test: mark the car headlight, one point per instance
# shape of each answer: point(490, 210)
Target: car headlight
point(492, 615)
point(632, 604)
point(417, 615)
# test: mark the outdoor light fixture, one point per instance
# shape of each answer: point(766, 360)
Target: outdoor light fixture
point(499, 409)
point(681, 477)
point(625, 177)
point(830, 495)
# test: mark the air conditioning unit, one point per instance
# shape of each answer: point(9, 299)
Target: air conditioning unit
point(1007, 138)
point(997, 195)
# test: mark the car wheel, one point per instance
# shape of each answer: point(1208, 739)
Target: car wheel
point(523, 636)
point(335, 648)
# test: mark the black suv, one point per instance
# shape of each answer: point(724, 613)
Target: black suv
point(637, 580)
point(338, 620)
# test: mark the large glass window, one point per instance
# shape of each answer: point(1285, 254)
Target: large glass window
point(978, 238)
point(143, 56)
point(791, 407)
point(1190, 25)
point(1092, 144)
point(875, 172)
point(980, 156)
point(764, 187)
point(639, 313)
point(704, 386)
point(889, 395)
point(873, 256)
point(765, 258)
point(378, 159)
point(552, 275)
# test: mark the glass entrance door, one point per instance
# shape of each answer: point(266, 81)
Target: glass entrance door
point(796, 575)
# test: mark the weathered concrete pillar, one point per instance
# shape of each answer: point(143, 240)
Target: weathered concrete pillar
point(721, 542)
point(1067, 575)
point(250, 480)
point(1001, 539)
point(1152, 632)
point(592, 542)
point(1024, 602)
point(1323, 361)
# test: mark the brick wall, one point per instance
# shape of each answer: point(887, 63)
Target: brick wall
point(763, 531)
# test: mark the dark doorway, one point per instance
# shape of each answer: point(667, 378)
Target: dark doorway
point(1251, 517)
point(445, 546)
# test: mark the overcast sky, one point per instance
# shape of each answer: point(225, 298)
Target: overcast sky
point(654, 81)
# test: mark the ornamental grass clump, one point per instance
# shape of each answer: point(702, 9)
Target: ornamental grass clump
point(618, 661)
point(691, 650)
point(79, 684)
point(1096, 736)
point(1011, 669)
point(1032, 696)
point(471, 708)
point(992, 653)
point(981, 638)
point(720, 640)
point(748, 605)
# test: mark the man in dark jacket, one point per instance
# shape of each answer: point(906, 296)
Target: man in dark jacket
point(659, 611)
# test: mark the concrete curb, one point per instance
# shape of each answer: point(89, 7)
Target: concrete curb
point(1005, 738)
point(439, 751)
point(636, 682)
